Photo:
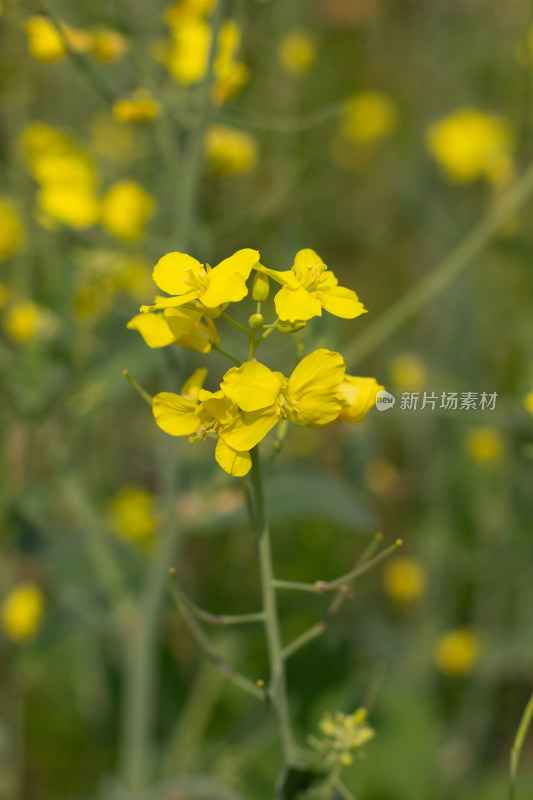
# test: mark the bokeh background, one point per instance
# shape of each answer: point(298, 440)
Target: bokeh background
point(378, 134)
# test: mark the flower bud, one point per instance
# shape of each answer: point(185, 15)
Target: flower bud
point(260, 287)
point(289, 327)
point(256, 321)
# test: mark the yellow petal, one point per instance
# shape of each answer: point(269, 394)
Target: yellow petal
point(217, 406)
point(232, 461)
point(169, 302)
point(293, 305)
point(189, 331)
point(252, 386)
point(285, 277)
point(172, 272)
point(241, 263)
point(191, 388)
point(343, 303)
point(359, 396)
point(314, 388)
point(303, 260)
point(224, 288)
point(248, 429)
point(175, 414)
point(153, 328)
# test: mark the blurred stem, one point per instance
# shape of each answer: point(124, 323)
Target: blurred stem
point(278, 681)
point(225, 353)
point(429, 288)
point(141, 655)
point(518, 743)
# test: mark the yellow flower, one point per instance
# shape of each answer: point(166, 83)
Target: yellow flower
point(343, 736)
point(230, 73)
point(108, 45)
point(311, 396)
point(308, 288)
point(22, 611)
point(188, 281)
point(408, 372)
point(74, 205)
point(21, 322)
point(47, 44)
point(133, 515)
point(126, 208)
point(470, 144)
point(199, 412)
point(528, 402)
point(182, 326)
point(11, 229)
point(369, 117)
point(484, 444)
point(359, 396)
point(457, 651)
point(183, 8)
point(139, 107)
point(229, 151)
point(405, 580)
point(297, 52)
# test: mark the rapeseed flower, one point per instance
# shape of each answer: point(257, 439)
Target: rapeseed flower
point(208, 289)
point(370, 116)
point(408, 372)
point(343, 737)
point(297, 52)
point(405, 580)
point(108, 45)
point(133, 515)
point(457, 651)
point(484, 444)
point(181, 326)
point(26, 321)
point(46, 43)
point(471, 144)
point(126, 208)
point(229, 151)
point(310, 287)
point(528, 402)
point(22, 611)
point(11, 229)
point(140, 106)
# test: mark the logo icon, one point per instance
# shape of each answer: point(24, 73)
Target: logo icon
point(384, 400)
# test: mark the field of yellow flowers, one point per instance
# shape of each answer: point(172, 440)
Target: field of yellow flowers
point(266, 400)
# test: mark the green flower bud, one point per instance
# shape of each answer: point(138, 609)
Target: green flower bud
point(260, 287)
point(256, 321)
point(289, 327)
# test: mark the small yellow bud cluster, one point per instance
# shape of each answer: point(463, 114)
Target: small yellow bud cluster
point(343, 737)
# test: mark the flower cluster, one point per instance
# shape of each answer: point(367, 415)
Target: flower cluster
point(50, 41)
point(343, 736)
point(251, 399)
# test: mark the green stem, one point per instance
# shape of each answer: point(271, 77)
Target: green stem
point(518, 743)
point(278, 681)
point(225, 353)
point(444, 273)
point(140, 656)
point(235, 324)
point(217, 619)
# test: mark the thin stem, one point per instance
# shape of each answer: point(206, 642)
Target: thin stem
point(459, 258)
point(267, 333)
point(217, 619)
point(278, 681)
point(343, 790)
point(518, 743)
point(203, 641)
point(235, 324)
point(321, 587)
point(144, 394)
point(225, 353)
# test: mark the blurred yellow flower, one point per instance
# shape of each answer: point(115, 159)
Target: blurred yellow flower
point(22, 611)
point(405, 580)
point(343, 736)
point(381, 476)
point(457, 651)
point(408, 372)
point(126, 208)
point(47, 44)
point(21, 321)
point(75, 205)
point(297, 52)
point(470, 144)
point(139, 107)
point(528, 402)
point(175, 13)
point(133, 515)
point(229, 151)
point(484, 444)
point(231, 74)
point(370, 117)
point(11, 229)
point(108, 45)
